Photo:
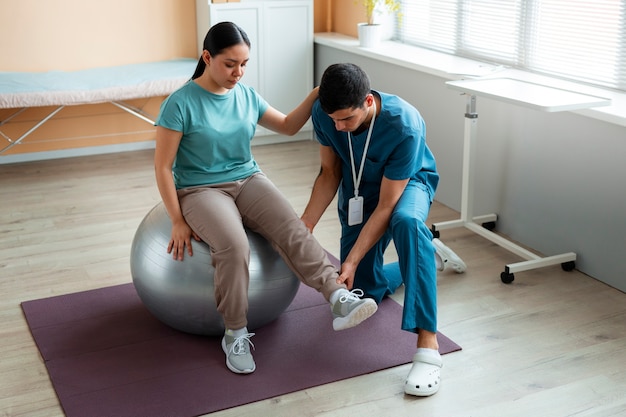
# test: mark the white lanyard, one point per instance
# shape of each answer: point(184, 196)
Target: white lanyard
point(355, 179)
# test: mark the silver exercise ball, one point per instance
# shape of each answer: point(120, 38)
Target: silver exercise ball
point(181, 293)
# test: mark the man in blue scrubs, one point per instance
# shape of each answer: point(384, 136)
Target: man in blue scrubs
point(373, 150)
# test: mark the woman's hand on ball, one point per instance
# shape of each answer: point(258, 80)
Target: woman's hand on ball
point(181, 238)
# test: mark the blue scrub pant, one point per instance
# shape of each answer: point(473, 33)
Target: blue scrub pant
point(416, 258)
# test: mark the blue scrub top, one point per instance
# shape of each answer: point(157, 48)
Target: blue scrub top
point(397, 150)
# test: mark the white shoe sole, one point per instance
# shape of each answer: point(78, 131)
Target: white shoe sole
point(357, 316)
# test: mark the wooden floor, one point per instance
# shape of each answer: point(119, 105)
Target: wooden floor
point(552, 343)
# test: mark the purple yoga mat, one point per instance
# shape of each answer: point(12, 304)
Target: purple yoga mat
point(108, 356)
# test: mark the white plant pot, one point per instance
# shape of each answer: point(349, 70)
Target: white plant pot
point(369, 35)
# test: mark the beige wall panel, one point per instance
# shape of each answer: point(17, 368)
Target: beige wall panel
point(77, 143)
point(346, 14)
point(42, 35)
point(81, 126)
point(322, 21)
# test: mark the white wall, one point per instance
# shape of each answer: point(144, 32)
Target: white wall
point(556, 180)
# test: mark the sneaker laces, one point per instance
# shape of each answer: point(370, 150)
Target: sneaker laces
point(353, 295)
point(238, 346)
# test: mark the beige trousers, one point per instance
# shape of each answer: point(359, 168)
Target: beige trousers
point(218, 214)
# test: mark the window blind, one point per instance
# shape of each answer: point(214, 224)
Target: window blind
point(572, 39)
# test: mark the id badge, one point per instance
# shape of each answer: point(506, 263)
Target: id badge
point(355, 211)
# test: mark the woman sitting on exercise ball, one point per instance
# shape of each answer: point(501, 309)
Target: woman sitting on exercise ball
point(212, 188)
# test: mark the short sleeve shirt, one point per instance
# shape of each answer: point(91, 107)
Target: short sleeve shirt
point(217, 133)
point(397, 149)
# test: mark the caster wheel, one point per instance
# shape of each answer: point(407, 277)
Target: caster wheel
point(489, 225)
point(506, 277)
point(568, 266)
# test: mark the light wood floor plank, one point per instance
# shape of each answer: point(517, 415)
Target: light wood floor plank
point(552, 343)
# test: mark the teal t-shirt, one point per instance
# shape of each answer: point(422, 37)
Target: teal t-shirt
point(217, 131)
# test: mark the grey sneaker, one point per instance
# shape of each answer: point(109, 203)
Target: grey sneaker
point(238, 356)
point(448, 257)
point(350, 309)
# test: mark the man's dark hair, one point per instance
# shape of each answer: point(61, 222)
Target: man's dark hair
point(343, 86)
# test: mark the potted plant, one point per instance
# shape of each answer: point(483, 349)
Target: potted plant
point(370, 32)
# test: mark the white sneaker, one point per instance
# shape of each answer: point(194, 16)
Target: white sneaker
point(448, 257)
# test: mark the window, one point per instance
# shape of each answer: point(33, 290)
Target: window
point(572, 39)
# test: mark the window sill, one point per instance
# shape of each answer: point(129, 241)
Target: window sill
point(450, 67)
